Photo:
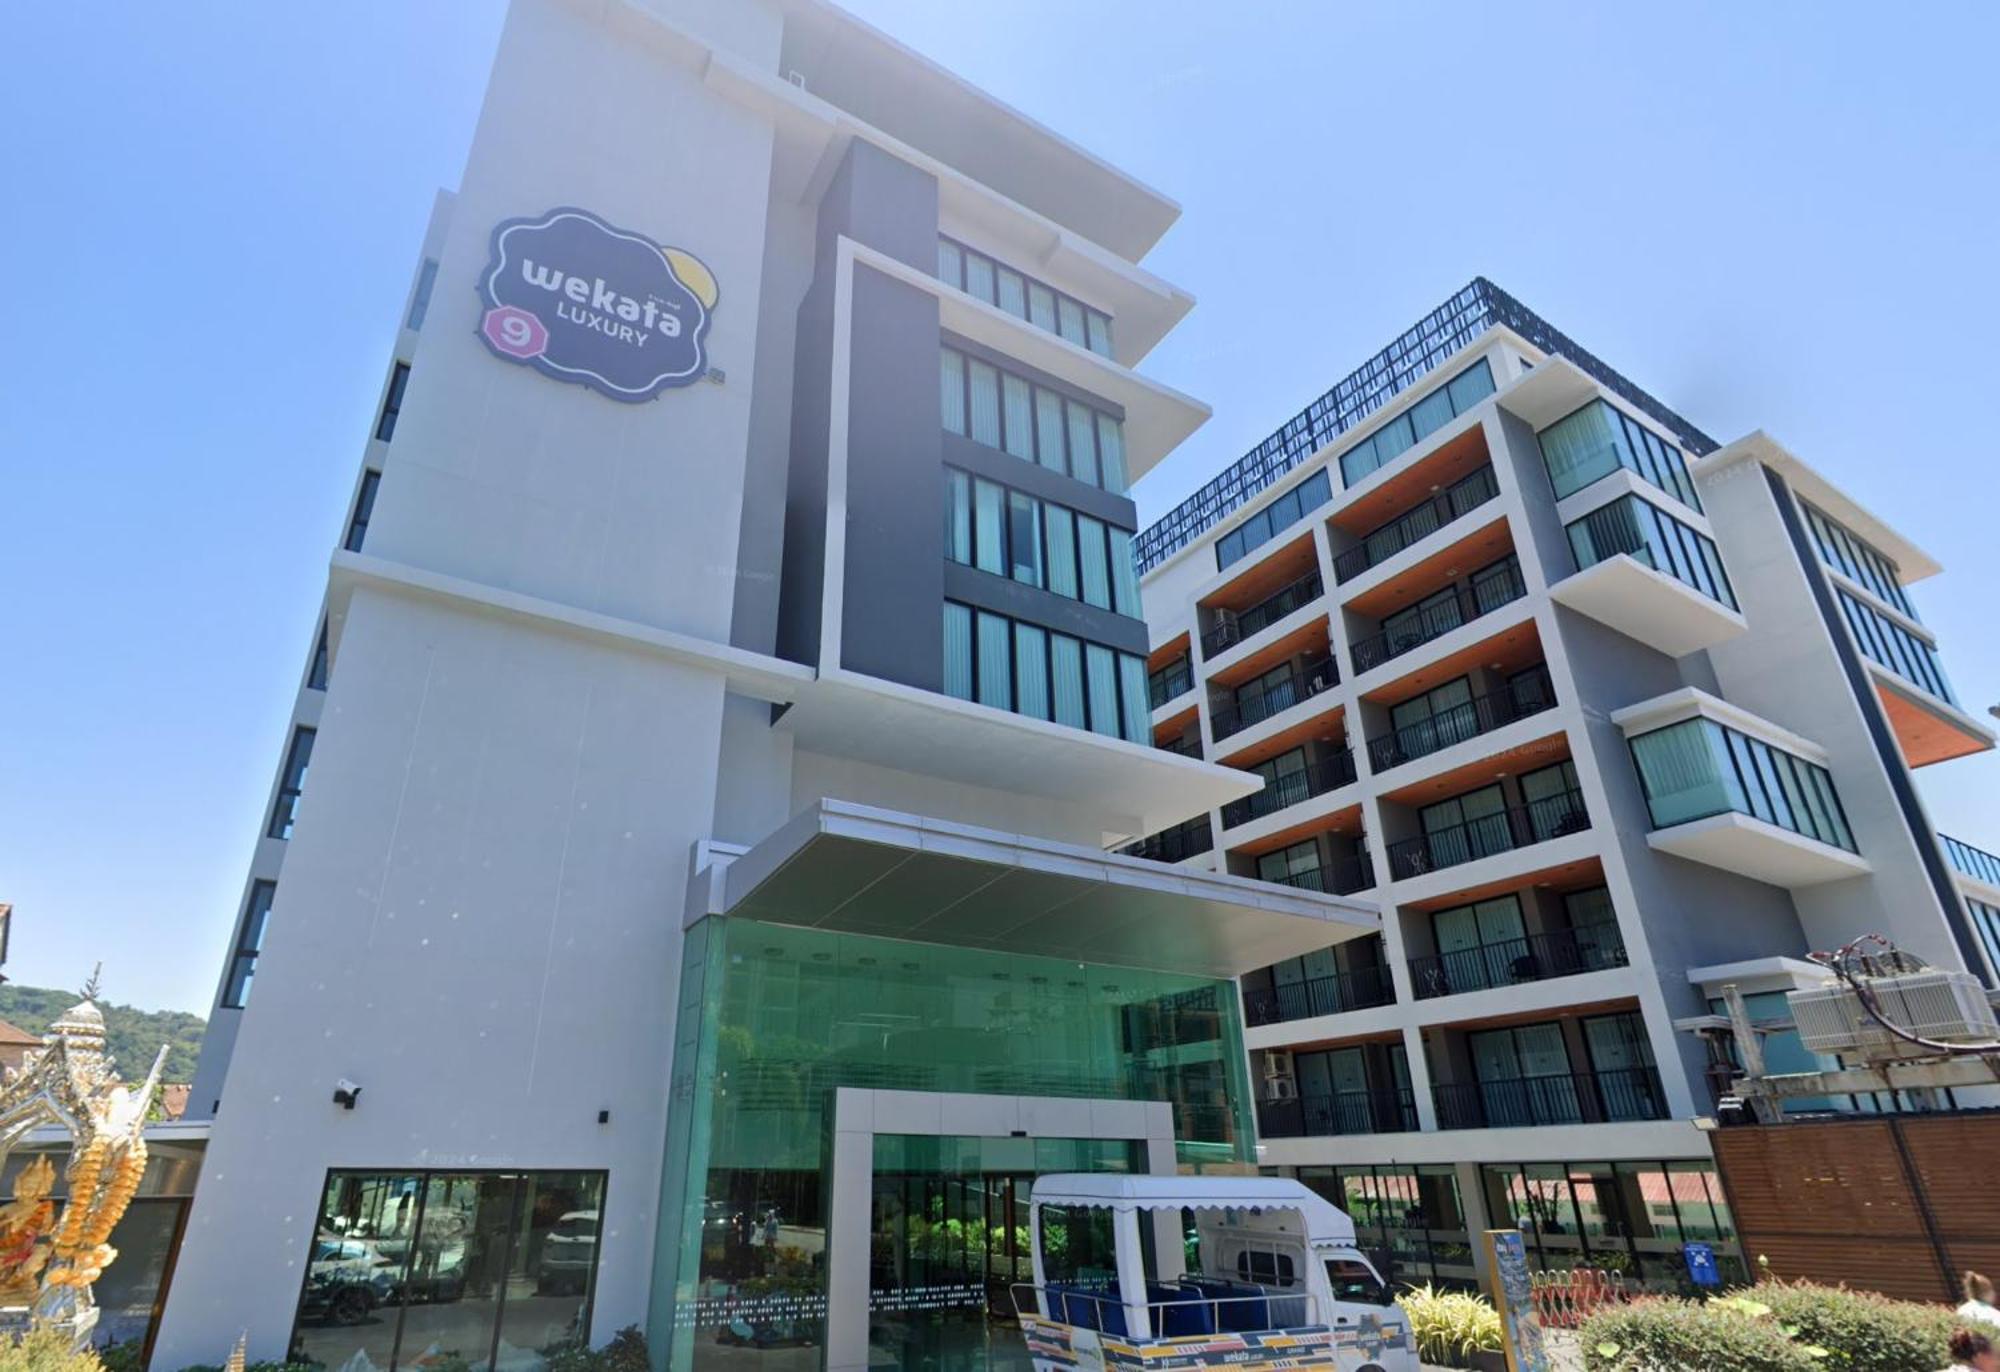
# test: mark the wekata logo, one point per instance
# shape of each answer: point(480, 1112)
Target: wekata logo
point(580, 300)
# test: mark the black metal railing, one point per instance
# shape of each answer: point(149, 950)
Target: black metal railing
point(1523, 696)
point(1507, 962)
point(1174, 679)
point(1234, 628)
point(1343, 878)
point(1462, 496)
point(1503, 830)
point(1187, 745)
point(1390, 1110)
point(1289, 788)
point(1362, 988)
point(1976, 863)
point(1626, 1093)
point(1304, 681)
point(1488, 592)
point(1177, 844)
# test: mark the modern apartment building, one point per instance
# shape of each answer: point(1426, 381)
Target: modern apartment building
point(686, 889)
point(1604, 716)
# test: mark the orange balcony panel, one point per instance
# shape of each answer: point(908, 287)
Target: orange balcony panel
point(1414, 485)
point(1265, 572)
point(1515, 647)
point(1524, 757)
point(1175, 725)
point(1330, 727)
point(1926, 737)
point(1346, 822)
point(1565, 876)
point(1464, 556)
point(1175, 647)
point(1309, 638)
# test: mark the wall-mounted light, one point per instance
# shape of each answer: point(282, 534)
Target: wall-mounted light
point(346, 1093)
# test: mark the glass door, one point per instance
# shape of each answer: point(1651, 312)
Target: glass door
point(1479, 945)
point(1621, 1058)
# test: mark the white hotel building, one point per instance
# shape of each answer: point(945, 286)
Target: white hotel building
point(1603, 716)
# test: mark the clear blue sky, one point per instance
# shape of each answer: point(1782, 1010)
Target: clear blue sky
point(1779, 216)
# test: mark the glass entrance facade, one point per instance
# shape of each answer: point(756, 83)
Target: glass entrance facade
point(773, 1018)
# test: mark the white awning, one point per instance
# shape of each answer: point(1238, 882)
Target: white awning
point(856, 869)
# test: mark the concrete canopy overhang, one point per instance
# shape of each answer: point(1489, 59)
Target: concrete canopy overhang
point(849, 868)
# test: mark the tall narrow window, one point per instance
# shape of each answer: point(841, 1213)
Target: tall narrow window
point(291, 784)
point(1069, 320)
point(364, 510)
point(958, 517)
point(996, 663)
point(1019, 416)
point(951, 264)
point(1062, 552)
point(979, 276)
point(951, 390)
point(1101, 666)
point(1099, 325)
point(988, 527)
point(1049, 429)
point(1041, 306)
point(1031, 670)
point(1124, 575)
point(1093, 558)
point(1083, 443)
point(1012, 295)
point(1024, 538)
point(985, 402)
point(316, 674)
point(392, 404)
point(957, 651)
point(1111, 454)
point(420, 299)
point(1066, 672)
point(249, 942)
point(1132, 693)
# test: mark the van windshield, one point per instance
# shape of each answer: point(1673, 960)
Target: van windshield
point(1355, 1283)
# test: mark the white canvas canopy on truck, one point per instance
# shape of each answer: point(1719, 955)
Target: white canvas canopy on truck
point(1267, 1276)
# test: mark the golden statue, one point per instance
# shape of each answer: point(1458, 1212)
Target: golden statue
point(47, 1264)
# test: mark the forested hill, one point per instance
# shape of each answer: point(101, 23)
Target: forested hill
point(132, 1036)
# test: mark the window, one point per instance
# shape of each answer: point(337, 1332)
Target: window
point(249, 942)
point(1267, 523)
point(1012, 534)
point(1986, 921)
point(420, 300)
point(988, 534)
point(1033, 422)
point(1024, 537)
point(1414, 425)
point(1888, 644)
point(1654, 538)
point(1699, 767)
point(411, 1269)
point(290, 783)
point(1022, 296)
point(1024, 668)
point(1597, 440)
point(957, 517)
point(1093, 555)
point(392, 404)
point(316, 673)
point(364, 509)
point(1845, 552)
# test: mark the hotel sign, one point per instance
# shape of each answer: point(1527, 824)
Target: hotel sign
point(580, 300)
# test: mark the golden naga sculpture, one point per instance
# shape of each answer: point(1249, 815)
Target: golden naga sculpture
point(47, 1263)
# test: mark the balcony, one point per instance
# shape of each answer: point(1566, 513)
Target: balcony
point(1170, 682)
point(1500, 832)
point(1185, 840)
point(1379, 546)
point(1363, 988)
point(1342, 878)
point(1389, 1111)
point(1232, 629)
point(1488, 591)
point(1302, 681)
point(1523, 697)
point(1315, 779)
point(1187, 745)
point(1511, 962)
point(1969, 861)
point(1628, 1093)
point(1651, 577)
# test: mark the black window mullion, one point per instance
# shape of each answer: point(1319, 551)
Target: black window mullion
point(514, 1210)
point(409, 1259)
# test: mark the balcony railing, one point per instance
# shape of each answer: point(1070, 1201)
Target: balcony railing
point(1488, 592)
point(1187, 745)
point(1330, 773)
point(1233, 629)
point(1976, 863)
point(1177, 844)
point(1509, 962)
point(1360, 989)
point(1387, 1111)
point(1304, 681)
point(1174, 679)
point(1499, 832)
point(1627, 1093)
point(1343, 878)
point(1524, 696)
point(1462, 496)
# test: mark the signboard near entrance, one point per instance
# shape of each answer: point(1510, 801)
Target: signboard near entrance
point(581, 300)
point(1514, 1297)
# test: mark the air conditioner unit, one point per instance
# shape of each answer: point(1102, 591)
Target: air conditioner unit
point(1280, 1088)
point(1276, 1065)
point(1944, 1006)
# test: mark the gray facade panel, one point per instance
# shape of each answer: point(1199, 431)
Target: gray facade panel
point(1038, 481)
point(1036, 606)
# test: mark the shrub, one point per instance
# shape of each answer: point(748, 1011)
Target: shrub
point(1663, 1335)
point(45, 1350)
point(625, 1353)
point(123, 1357)
point(1448, 1325)
point(1864, 1332)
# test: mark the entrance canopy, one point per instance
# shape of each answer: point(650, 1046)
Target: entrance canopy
point(856, 869)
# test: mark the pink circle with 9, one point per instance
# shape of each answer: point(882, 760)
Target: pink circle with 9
point(515, 332)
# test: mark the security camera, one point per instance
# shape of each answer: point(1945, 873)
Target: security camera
point(345, 1093)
